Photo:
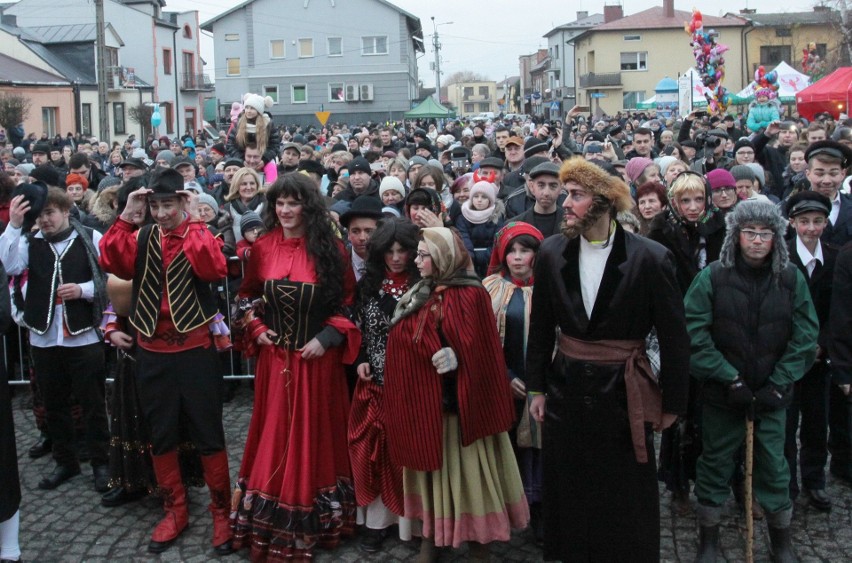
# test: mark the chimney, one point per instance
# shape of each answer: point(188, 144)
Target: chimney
point(582, 15)
point(612, 13)
point(748, 11)
point(668, 8)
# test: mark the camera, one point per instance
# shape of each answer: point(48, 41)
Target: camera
point(708, 141)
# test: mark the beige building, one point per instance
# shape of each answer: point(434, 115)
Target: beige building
point(471, 98)
point(619, 63)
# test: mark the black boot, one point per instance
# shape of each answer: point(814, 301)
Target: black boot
point(781, 545)
point(708, 546)
point(537, 523)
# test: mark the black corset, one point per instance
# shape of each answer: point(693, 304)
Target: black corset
point(294, 311)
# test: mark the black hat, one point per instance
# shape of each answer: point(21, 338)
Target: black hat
point(805, 201)
point(491, 162)
point(363, 206)
point(182, 161)
point(338, 147)
point(359, 163)
point(424, 144)
point(545, 168)
point(534, 146)
point(43, 148)
point(134, 163)
point(832, 149)
point(218, 148)
point(47, 175)
point(165, 183)
point(530, 163)
point(743, 143)
point(615, 130)
point(233, 162)
point(312, 166)
point(35, 194)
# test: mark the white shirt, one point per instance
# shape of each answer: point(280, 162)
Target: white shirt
point(15, 255)
point(593, 257)
point(835, 208)
point(808, 259)
point(359, 266)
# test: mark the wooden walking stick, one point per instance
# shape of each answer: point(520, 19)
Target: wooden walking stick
point(749, 467)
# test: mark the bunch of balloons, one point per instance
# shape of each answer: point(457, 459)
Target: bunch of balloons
point(812, 63)
point(766, 80)
point(709, 62)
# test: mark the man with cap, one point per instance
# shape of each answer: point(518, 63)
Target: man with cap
point(492, 164)
point(514, 150)
point(361, 182)
point(360, 221)
point(516, 177)
point(808, 213)
point(546, 214)
point(132, 167)
point(217, 154)
point(754, 331)
point(602, 289)
point(41, 154)
point(65, 297)
point(290, 154)
point(424, 149)
point(827, 164)
point(172, 263)
point(187, 168)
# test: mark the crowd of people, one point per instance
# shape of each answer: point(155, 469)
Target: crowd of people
point(455, 330)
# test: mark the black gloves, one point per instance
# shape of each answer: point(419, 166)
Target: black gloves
point(738, 393)
point(773, 397)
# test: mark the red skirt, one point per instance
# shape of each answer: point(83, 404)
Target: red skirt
point(368, 449)
point(295, 487)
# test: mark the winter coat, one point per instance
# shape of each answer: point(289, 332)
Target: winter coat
point(761, 115)
point(273, 143)
point(102, 214)
point(479, 239)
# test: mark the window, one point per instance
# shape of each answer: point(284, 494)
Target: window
point(634, 60)
point(483, 91)
point(633, 38)
point(468, 92)
point(168, 116)
point(232, 37)
point(233, 67)
point(484, 107)
point(86, 119)
point(335, 47)
point(187, 32)
point(631, 99)
point(276, 49)
point(48, 120)
point(336, 92)
point(299, 93)
point(468, 108)
point(783, 32)
point(118, 123)
point(112, 67)
point(272, 92)
point(167, 61)
point(773, 54)
point(306, 48)
point(374, 45)
point(556, 51)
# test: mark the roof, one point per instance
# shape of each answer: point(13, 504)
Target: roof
point(74, 33)
point(583, 23)
point(655, 18)
point(790, 18)
point(13, 71)
point(413, 21)
point(541, 65)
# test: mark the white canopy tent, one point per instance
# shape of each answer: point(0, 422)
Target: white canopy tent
point(790, 82)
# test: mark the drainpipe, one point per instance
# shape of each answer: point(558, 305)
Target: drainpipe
point(177, 90)
point(746, 70)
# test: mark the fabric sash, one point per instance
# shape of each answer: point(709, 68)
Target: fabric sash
point(644, 397)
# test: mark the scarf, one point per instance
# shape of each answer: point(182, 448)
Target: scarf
point(395, 285)
point(58, 237)
point(451, 267)
point(241, 207)
point(477, 216)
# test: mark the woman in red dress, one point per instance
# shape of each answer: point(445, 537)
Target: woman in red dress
point(294, 490)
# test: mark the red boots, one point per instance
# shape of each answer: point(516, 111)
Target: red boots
point(216, 474)
point(176, 519)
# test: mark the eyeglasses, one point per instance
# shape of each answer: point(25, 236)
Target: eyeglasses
point(423, 255)
point(752, 235)
point(745, 152)
point(726, 191)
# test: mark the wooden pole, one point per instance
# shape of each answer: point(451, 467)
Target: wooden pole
point(749, 468)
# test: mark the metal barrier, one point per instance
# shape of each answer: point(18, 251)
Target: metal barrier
point(22, 371)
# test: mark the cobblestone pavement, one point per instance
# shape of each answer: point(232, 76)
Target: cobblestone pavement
point(69, 524)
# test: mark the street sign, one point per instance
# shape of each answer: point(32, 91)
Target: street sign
point(323, 117)
point(597, 95)
point(536, 95)
point(554, 106)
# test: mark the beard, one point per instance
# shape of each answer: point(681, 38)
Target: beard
point(600, 207)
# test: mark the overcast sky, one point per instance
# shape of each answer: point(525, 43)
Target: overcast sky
point(487, 36)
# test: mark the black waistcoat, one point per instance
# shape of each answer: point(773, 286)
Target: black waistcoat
point(191, 303)
point(47, 270)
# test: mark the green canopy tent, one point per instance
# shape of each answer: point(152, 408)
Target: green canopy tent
point(429, 108)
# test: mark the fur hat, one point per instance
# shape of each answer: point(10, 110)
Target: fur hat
point(755, 212)
point(47, 174)
point(257, 102)
point(391, 183)
point(635, 167)
point(487, 189)
point(597, 181)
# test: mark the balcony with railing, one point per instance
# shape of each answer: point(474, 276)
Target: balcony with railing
point(196, 83)
point(601, 80)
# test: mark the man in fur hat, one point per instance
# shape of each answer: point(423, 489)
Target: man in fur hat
point(754, 333)
point(604, 289)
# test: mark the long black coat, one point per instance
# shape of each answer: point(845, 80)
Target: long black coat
point(820, 284)
point(10, 491)
point(600, 504)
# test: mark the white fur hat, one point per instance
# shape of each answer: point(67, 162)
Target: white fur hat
point(257, 102)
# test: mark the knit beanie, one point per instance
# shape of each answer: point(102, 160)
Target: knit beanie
point(249, 220)
point(107, 182)
point(635, 167)
point(390, 211)
point(487, 189)
point(257, 102)
point(743, 143)
point(166, 155)
point(720, 178)
point(759, 173)
point(742, 172)
point(211, 201)
point(664, 162)
point(391, 183)
point(417, 160)
point(71, 179)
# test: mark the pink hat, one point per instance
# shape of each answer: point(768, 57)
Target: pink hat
point(488, 189)
point(635, 167)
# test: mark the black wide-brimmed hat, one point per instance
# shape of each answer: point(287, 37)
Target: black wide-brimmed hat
point(363, 206)
point(165, 184)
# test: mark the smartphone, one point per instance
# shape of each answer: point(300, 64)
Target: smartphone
point(700, 114)
point(584, 109)
point(377, 166)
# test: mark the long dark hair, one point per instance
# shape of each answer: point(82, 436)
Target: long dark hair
point(389, 231)
point(322, 245)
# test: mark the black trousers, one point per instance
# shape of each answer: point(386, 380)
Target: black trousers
point(810, 400)
point(184, 386)
point(63, 371)
point(840, 438)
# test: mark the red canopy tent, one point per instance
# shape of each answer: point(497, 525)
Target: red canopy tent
point(831, 93)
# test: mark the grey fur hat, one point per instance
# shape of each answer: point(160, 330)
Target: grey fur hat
point(758, 213)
